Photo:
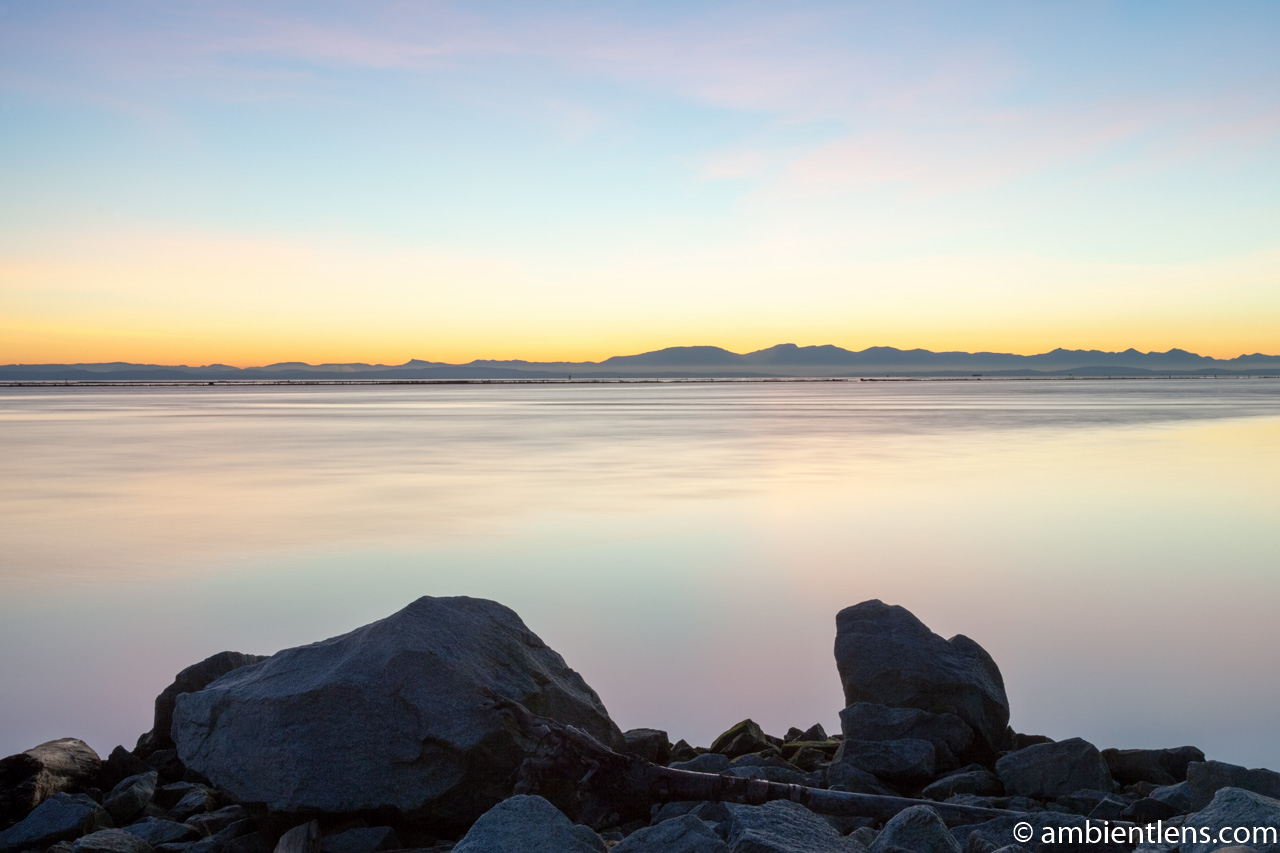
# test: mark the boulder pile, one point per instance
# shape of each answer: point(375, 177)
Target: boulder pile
point(386, 739)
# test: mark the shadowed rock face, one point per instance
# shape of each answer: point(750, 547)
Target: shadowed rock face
point(390, 715)
point(887, 656)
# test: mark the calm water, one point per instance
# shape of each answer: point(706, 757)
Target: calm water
point(1114, 545)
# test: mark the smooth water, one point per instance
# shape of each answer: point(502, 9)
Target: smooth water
point(1115, 545)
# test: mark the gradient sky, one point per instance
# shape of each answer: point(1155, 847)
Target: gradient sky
point(245, 182)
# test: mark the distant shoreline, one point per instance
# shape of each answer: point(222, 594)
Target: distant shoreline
point(692, 380)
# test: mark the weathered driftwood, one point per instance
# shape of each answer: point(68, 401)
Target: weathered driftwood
point(29, 778)
point(616, 788)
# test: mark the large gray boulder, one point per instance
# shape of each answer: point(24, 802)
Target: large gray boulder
point(31, 777)
point(887, 656)
point(1255, 817)
point(1206, 778)
point(61, 817)
point(392, 715)
point(527, 824)
point(1049, 770)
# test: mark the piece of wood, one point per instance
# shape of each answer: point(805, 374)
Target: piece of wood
point(29, 778)
point(614, 788)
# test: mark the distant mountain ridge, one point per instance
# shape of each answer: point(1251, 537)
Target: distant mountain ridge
point(782, 360)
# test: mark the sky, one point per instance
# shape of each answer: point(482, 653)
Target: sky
point(247, 182)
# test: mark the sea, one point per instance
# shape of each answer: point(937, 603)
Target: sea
point(1114, 544)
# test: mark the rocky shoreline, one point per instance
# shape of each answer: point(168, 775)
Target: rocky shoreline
point(450, 726)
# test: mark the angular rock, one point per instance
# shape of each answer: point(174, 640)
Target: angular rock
point(254, 842)
point(131, 796)
point(814, 733)
point(525, 824)
point(157, 831)
point(120, 765)
point(167, 763)
point(1050, 770)
point(842, 776)
point(652, 745)
point(683, 834)
point(951, 737)
point(29, 778)
point(682, 751)
point(1178, 796)
point(391, 715)
point(981, 782)
point(168, 796)
point(1157, 766)
point(708, 762)
point(195, 677)
point(211, 823)
point(303, 838)
point(782, 826)
point(741, 739)
point(1206, 778)
point(918, 829)
point(1237, 809)
point(906, 761)
point(1149, 810)
point(367, 839)
point(196, 801)
point(110, 841)
point(887, 656)
point(61, 817)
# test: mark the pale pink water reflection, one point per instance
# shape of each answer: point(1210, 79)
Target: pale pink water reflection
point(1114, 545)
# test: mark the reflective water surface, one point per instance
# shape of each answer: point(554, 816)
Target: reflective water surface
point(1114, 544)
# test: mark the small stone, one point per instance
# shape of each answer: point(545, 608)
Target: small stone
point(652, 745)
point(111, 841)
point(814, 733)
point(683, 834)
point(782, 826)
point(372, 839)
point(131, 796)
point(740, 739)
point(525, 824)
point(919, 829)
point(197, 801)
point(708, 762)
point(981, 782)
point(156, 831)
point(211, 823)
point(1178, 796)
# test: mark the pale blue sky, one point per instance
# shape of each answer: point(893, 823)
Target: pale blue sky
point(582, 179)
